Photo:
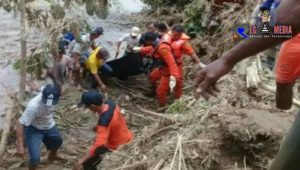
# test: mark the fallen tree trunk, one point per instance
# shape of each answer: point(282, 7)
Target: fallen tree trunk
point(8, 119)
point(132, 166)
point(5, 132)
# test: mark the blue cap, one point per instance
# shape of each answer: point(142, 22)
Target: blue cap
point(50, 94)
point(91, 97)
point(69, 37)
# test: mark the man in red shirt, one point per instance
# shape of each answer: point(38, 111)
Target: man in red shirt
point(111, 130)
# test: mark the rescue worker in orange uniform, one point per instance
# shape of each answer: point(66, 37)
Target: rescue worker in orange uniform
point(111, 130)
point(180, 45)
point(166, 72)
point(287, 71)
point(178, 40)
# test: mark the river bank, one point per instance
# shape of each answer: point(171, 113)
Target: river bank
point(10, 46)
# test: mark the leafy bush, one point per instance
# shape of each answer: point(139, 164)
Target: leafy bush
point(158, 3)
point(194, 15)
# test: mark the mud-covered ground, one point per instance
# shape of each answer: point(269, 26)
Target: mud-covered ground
point(238, 130)
point(237, 133)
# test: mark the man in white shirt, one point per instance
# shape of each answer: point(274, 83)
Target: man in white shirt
point(131, 62)
point(36, 125)
point(131, 40)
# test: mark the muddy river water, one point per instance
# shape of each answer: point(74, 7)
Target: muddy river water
point(10, 45)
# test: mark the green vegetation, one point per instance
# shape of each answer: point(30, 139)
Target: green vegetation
point(57, 10)
point(194, 15)
point(192, 12)
point(159, 3)
point(36, 62)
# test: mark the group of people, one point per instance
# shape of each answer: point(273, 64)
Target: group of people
point(37, 126)
point(158, 53)
point(164, 49)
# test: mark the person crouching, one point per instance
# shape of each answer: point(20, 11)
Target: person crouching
point(111, 130)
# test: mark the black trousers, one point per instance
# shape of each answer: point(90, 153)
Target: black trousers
point(93, 162)
point(288, 156)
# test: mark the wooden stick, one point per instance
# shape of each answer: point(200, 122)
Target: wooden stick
point(176, 152)
point(204, 116)
point(123, 155)
point(5, 133)
point(126, 163)
point(8, 118)
point(192, 102)
point(155, 113)
point(161, 130)
point(132, 166)
point(141, 116)
point(159, 165)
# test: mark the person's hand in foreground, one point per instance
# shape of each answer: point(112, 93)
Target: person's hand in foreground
point(21, 151)
point(206, 79)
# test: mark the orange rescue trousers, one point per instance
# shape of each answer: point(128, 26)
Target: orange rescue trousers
point(161, 84)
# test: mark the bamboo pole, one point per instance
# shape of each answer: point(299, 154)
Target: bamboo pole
point(7, 123)
point(23, 51)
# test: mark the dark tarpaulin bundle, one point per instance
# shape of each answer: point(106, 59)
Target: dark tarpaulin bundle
point(129, 65)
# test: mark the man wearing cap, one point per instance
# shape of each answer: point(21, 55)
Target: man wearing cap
point(132, 40)
point(86, 43)
point(93, 65)
point(130, 63)
point(111, 130)
point(36, 125)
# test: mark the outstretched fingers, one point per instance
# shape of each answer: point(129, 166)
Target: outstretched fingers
point(204, 86)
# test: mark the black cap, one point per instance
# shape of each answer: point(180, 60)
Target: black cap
point(50, 94)
point(98, 30)
point(150, 36)
point(91, 97)
point(61, 49)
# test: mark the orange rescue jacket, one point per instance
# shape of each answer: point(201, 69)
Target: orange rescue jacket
point(164, 52)
point(179, 46)
point(112, 130)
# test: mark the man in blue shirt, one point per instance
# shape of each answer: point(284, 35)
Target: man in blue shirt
point(270, 4)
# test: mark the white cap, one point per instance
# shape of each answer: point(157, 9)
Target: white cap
point(135, 31)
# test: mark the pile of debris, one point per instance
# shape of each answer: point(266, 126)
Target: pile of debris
point(223, 133)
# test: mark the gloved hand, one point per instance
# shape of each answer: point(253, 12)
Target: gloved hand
point(201, 65)
point(136, 49)
point(172, 82)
